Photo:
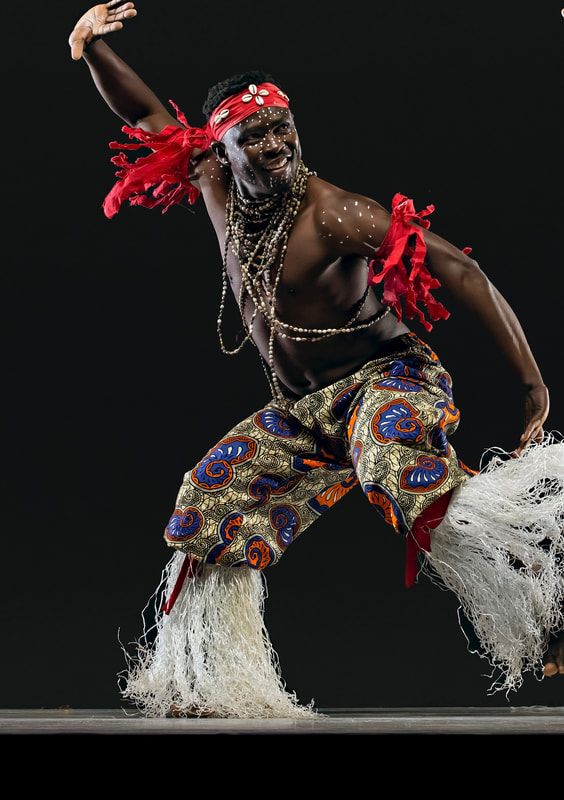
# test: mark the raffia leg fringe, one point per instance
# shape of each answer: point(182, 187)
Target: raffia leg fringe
point(488, 551)
point(212, 653)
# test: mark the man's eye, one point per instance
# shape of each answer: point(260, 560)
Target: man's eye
point(256, 138)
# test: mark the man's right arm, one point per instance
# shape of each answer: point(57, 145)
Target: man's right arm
point(120, 86)
point(131, 99)
point(124, 91)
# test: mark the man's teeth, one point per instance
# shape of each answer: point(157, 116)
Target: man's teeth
point(279, 166)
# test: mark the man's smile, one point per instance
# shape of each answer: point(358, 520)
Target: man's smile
point(279, 165)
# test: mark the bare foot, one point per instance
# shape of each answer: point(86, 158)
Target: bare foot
point(189, 711)
point(554, 657)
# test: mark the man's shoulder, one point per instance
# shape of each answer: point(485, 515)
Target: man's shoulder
point(349, 222)
point(320, 190)
point(333, 205)
point(326, 196)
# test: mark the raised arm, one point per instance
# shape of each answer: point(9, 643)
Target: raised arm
point(122, 89)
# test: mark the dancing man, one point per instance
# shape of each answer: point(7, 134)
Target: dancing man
point(323, 277)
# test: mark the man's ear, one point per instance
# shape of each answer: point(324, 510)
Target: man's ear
point(220, 152)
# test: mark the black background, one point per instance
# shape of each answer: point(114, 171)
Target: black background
point(115, 382)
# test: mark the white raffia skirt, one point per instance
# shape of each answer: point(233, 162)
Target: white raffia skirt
point(212, 652)
point(500, 549)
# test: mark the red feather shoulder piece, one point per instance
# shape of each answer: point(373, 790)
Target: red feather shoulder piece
point(161, 178)
point(415, 287)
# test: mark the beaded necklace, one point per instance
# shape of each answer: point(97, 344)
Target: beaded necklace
point(258, 230)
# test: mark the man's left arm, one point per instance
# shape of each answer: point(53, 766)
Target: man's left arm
point(353, 223)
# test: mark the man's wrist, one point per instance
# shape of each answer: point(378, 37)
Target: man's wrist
point(91, 42)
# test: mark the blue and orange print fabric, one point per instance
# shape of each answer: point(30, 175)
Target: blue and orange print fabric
point(386, 428)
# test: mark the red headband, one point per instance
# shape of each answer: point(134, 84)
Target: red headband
point(235, 108)
point(161, 178)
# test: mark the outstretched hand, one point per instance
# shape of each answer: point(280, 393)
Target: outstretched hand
point(537, 405)
point(97, 21)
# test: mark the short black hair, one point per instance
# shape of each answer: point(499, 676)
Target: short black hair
point(233, 85)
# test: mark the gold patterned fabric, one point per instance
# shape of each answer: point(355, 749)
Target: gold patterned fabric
point(385, 427)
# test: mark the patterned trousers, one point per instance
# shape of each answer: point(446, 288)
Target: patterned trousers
point(385, 427)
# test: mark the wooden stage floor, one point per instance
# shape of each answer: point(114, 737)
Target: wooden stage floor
point(353, 721)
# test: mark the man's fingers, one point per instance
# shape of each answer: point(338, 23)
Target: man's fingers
point(534, 432)
point(131, 12)
point(539, 434)
point(121, 9)
point(523, 442)
point(76, 41)
point(108, 28)
point(530, 432)
point(76, 49)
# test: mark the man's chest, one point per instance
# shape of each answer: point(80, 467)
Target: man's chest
point(313, 282)
point(296, 268)
point(309, 274)
point(320, 298)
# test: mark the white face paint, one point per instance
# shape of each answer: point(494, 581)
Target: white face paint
point(263, 152)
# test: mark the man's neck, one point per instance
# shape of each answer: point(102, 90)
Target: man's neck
point(254, 194)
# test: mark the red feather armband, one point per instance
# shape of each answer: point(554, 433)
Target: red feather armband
point(415, 287)
point(161, 178)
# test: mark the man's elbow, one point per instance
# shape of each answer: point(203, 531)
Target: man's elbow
point(472, 276)
point(474, 269)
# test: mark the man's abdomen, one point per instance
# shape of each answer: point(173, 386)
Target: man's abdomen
point(305, 367)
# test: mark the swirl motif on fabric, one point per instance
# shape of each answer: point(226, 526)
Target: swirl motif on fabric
point(216, 470)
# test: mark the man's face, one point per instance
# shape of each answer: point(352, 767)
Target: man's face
point(262, 151)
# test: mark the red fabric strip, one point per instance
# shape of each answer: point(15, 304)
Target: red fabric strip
point(161, 178)
point(419, 538)
point(191, 567)
point(415, 287)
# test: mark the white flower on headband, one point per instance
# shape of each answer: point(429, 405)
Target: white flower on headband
point(256, 94)
point(284, 95)
point(221, 115)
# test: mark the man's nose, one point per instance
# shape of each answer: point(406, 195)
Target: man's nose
point(274, 143)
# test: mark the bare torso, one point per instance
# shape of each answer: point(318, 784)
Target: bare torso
point(315, 290)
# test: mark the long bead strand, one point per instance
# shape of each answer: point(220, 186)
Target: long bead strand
point(258, 251)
